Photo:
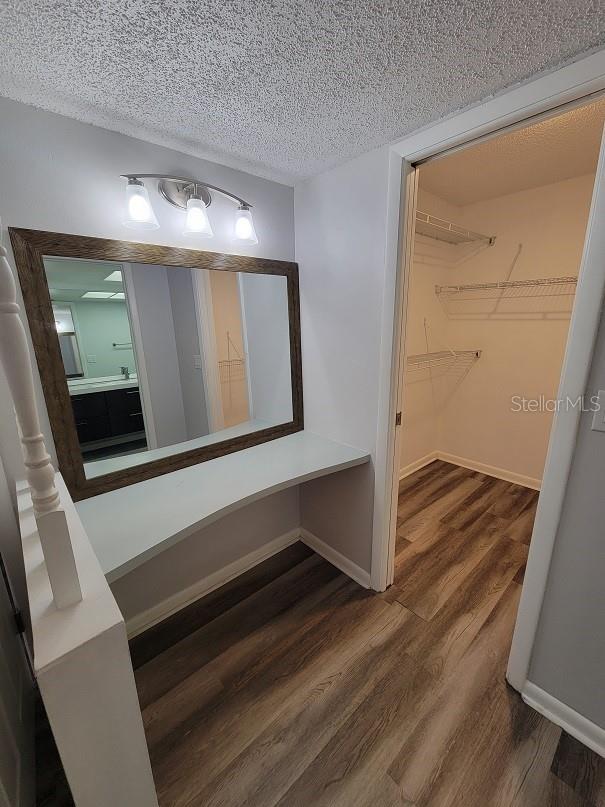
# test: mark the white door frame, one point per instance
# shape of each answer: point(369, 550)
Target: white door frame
point(568, 84)
point(204, 310)
point(132, 310)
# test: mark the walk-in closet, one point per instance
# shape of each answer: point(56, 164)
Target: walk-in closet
point(499, 233)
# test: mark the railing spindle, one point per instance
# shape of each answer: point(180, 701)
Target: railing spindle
point(50, 516)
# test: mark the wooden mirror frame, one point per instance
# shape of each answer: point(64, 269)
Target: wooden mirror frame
point(30, 247)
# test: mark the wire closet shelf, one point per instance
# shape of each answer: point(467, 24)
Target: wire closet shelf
point(233, 368)
point(441, 358)
point(537, 287)
point(443, 230)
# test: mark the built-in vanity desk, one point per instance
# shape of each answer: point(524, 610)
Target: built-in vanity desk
point(208, 490)
point(210, 487)
point(130, 525)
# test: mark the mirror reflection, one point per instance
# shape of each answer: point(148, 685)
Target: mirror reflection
point(160, 360)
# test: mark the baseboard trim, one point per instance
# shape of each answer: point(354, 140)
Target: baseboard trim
point(181, 599)
point(335, 558)
point(491, 470)
point(412, 467)
point(580, 727)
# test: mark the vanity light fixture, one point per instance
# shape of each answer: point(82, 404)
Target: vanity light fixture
point(196, 219)
point(139, 212)
point(190, 195)
point(244, 232)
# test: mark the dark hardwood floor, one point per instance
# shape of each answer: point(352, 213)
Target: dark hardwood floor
point(293, 686)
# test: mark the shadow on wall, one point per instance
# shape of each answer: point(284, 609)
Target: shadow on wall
point(339, 509)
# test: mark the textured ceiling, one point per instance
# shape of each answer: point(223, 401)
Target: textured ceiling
point(283, 88)
point(558, 148)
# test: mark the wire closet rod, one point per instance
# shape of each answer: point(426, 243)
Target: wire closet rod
point(507, 284)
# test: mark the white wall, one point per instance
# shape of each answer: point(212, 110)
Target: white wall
point(341, 220)
point(60, 175)
point(154, 307)
point(522, 339)
point(187, 341)
point(76, 169)
point(568, 656)
point(98, 326)
point(10, 545)
point(153, 588)
point(266, 327)
point(17, 772)
point(426, 331)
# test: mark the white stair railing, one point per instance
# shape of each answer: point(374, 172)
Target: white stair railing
point(50, 516)
point(81, 657)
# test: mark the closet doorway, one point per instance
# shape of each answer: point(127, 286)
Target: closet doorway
point(489, 288)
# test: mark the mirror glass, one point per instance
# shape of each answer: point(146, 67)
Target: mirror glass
point(161, 359)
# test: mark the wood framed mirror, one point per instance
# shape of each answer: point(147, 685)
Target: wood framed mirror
point(153, 358)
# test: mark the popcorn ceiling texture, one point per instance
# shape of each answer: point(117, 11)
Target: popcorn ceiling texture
point(282, 88)
point(548, 151)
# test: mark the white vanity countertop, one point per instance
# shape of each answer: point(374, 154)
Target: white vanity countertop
point(83, 386)
point(130, 525)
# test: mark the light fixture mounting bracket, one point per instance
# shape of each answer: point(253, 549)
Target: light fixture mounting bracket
point(178, 192)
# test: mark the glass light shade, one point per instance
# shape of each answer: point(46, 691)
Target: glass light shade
point(196, 221)
point(139, 212)
point(244, 232)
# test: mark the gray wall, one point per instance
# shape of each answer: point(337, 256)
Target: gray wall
point(568, 659)
point(10, 545)
point(267, 343)
point(100, 325)
point(207, 551)
point(61, 156)
point(341, 219)
point(187, 340)
point(159, 348)
point(169, 332)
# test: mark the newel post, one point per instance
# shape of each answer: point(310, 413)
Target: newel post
point(50, 516)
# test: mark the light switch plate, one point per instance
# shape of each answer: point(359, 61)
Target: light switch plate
point(598, 419)
point(91, 359)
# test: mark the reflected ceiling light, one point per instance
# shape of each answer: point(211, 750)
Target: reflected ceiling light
point(244, 232)
point(192, 196)
point(118, 296)
point(139, 212)
point(97, 295)
point(115, 277)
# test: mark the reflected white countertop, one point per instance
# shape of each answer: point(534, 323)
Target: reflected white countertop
point(109, 464)
point(81, 386)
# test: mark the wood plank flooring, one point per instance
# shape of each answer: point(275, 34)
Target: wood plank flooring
point(292, 686)
point(295, 687)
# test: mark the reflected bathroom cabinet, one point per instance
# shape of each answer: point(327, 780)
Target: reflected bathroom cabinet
point(154, 358)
